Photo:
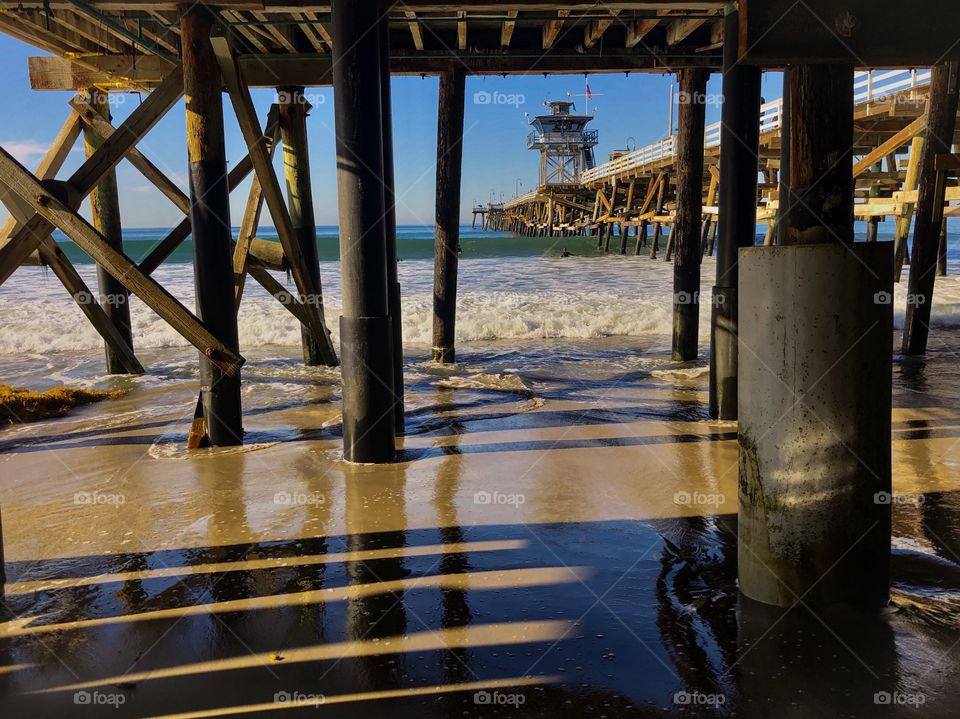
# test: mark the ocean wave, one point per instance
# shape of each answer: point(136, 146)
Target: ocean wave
point(525, 298)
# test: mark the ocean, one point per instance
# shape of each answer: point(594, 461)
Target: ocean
point(509, 288)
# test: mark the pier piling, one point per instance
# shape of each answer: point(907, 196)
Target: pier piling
point(105, 213)
point(390, 225)
point(941, 122)
point(296, 167)
point(210, 222)
point(366, 330)
point(815, 366)
point(737, 214)
point(447, 234)
point(685, 234)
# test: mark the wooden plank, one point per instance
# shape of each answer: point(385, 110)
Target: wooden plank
point(462, 31)
point(138, 124)
point(151, 172)
point(58, 214)
point(552, 29)
point(594, 31)
point(251, 216)
point(506, 31)
point(680, 30)
point(253, 135)
point(865, 33)
point(51, 163)
point(54, 257)
point(639, 29)
point(896, 141)
point(415, 32)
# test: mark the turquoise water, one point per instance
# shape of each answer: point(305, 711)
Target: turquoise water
point(415, 242)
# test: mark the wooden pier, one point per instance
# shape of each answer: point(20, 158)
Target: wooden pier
point(839, 145)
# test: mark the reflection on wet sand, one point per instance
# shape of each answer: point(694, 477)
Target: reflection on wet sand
point(559, 545)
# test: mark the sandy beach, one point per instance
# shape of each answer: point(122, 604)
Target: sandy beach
point(556, 539)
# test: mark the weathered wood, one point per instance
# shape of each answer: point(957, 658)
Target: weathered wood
point(905, 210)
point(82, 182)
point(210, 224)
point(685, 233)
point(896, 141)
point(251, 218)
point(51, 163)
point(105, 214)
point(821, 160)
point(317, 349)
point(96, 123)
point(315, 70)
point(855, 32)
point(270, 186)
point(447, 233)
point(657, 227)
point(51, 211)
point(941, 122)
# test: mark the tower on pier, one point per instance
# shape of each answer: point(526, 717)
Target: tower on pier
point(565, 145)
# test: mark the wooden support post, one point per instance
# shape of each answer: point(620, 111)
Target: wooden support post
point(941, 122)
point(390, 225)
point(685, 233)
point(210, 222)
point(901, 252)
point(624, 235)
point(658, 208)
point(369, 429)
point(783, 190)
point(820, 195)
point(873, 223)
point(942, 251)
point(255, 138)
point(296, 165)
point(447, 238)
point(105, 214)
point(737, 215)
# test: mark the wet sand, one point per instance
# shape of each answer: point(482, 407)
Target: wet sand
point(557, 539)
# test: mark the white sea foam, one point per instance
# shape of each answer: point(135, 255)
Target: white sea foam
point(501, 298)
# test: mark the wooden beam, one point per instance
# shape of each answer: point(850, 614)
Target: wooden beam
point(552, 29)
point(506, 31)
point(462, 31)
point(638, 29)
point(896, 141)
point(415, 32)
point(100, 125)
point(263, 166)
point(82, 182)
point(594, 31)
point(863, 33)
point(54, 211)
point(315, 70)
point(679, 30)
point(251, 215)
point(51, 163)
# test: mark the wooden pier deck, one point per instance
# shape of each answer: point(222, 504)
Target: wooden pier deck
point(889, 107)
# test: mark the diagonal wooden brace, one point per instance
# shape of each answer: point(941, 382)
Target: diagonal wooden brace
point(262, 165)
point(82, 182)
point(54, 212)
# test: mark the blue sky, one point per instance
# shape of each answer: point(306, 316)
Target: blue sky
point(630, 109)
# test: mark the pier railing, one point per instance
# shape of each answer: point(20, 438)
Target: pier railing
point(873, 87)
